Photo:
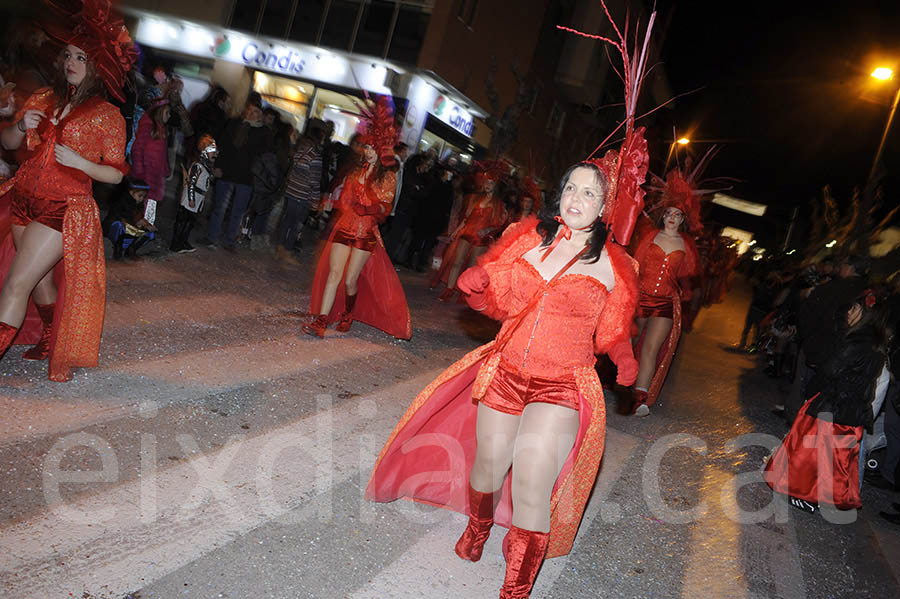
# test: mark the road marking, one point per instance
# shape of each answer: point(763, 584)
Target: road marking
point(430, 569)
point(51, 555)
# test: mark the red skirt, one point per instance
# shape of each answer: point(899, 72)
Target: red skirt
point(655, 305)
point(818, 462)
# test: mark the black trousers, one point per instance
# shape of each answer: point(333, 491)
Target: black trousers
point(184, 223)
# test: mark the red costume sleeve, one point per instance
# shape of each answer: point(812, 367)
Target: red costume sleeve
point(498, 260)
point(113, 150)
point(614, 327)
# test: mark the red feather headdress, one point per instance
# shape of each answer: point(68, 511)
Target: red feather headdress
point(377, 129)
point(101, 33)
point(492, 170)
point(626, 170)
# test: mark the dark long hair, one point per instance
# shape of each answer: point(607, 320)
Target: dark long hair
point(89, 87)
point(548, 226)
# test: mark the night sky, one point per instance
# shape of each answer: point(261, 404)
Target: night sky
point(786, 88)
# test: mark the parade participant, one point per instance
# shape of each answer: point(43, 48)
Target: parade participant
point(565, 291)
point(77, 138)
point(832, 421)
point(484, 218)
point(668, 259)
point(348, 284)
point(197, 182)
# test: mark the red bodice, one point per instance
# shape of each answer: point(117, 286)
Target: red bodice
point(661, 274)
point(575, 316)
point(94, 130)
point(557, 335)
point(483, 218)
point(367, 193)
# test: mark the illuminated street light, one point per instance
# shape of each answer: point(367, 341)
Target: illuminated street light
point(883, 73)
point(831, 243)
point(683, 141)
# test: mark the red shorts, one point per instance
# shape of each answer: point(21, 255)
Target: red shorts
point(25, 210)
point(366, 243)
point(654, 305)
point(511, 390)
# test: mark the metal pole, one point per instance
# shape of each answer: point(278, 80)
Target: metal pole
point(322, 22)
point(790, 231)
point(359, 13)
point(887, 129)
point(290, 22)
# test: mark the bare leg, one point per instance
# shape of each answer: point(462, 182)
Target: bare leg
point(641, 324)
point(546, 436)
point(656, 332)
point(496, 435)
point(355, 265)
point(336, 262)
point(38, 249)
point(462, 248)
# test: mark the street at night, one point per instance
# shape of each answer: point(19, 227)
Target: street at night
point(224, 454)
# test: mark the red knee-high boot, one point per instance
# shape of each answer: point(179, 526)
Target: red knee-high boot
point(42, 350)
point(526, 551)
point(7, 334)
point(481, 518)
point(347, 316)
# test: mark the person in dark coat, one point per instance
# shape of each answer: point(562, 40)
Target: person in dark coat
point(243, 140)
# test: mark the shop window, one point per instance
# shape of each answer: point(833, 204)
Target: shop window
point(340, 109)
point(290, 97)
point(245, 15)
point(412, 22)
point(339, 23)
point(466, 12)
point(276, 15)
point(374, 27)
point(307, 19)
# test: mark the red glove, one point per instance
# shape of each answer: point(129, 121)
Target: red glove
point(626, 366)
point(473, 282)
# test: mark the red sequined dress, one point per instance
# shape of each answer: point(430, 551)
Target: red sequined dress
point(95, 130)
point(664, 283)
point(565, 323)
point(380, 300)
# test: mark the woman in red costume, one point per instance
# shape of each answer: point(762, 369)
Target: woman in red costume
point(564, 292)
point(668, 260)
point(366, 289)
point(484, 218)
point(76, 138)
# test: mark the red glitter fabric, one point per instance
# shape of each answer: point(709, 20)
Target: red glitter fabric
point(367, 193)
point(380, 300)
point(432, 448)
point(511, 390)
point(95, 130)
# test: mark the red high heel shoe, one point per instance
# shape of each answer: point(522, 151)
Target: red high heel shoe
point(446, 295)
point(42, 349)
point(347, 315)
point(639, 405)
point(317, 327)
point(7, 334)
point(481, 519)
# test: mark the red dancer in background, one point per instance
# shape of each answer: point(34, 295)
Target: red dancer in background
point(77, 138)
point(355, 279)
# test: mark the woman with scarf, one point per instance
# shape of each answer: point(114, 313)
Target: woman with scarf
point(76, 137)
point(355, 279)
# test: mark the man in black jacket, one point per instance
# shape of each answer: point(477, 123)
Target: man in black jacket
point(242, 141)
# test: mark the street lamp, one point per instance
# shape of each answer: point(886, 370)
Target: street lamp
point(682, 141)
point(884, 74)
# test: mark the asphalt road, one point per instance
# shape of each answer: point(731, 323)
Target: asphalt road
point(217, 452)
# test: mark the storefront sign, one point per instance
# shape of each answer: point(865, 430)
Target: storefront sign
point(454, 115)
point(259, 53)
